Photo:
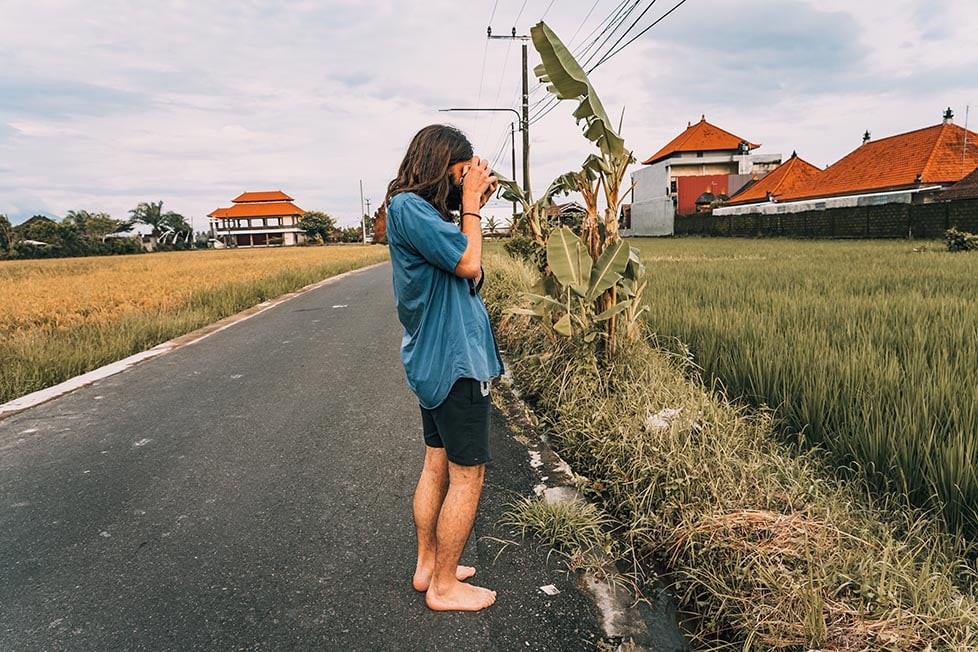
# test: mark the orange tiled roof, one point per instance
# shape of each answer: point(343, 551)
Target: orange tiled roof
point(263, 209)
point(701, 137)
point(933, 155)
point(967, 188)
point(270, 195)
point(791, 174)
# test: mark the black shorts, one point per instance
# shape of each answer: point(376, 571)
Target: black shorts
point(460, 424)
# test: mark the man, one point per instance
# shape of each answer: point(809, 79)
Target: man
point(448, 350)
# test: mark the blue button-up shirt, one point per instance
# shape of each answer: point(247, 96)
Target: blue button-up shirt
point(447, 334)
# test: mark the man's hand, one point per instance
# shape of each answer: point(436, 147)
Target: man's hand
point(478, 185)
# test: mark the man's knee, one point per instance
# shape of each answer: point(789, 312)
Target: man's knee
point(466, 474)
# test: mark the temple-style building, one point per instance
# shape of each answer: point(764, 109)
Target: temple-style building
point(258, 219)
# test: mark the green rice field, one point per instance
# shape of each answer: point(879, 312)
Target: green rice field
point(868, 349)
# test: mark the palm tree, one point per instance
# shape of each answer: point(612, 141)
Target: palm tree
point(153, 216)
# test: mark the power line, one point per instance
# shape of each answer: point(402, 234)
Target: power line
point(612, 52)
point(617, 20)
point(547, 9)
point(632, 40)
point(519, 15)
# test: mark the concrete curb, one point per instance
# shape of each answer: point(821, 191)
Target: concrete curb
point(43, 395)
point(637, 626)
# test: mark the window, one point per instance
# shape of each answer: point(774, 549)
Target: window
point(273, 221)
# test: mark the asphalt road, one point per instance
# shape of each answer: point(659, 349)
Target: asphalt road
point(252, 491)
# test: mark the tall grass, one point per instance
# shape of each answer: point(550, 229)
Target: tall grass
point(61, 318)
point(763, 547)
point(870, 349)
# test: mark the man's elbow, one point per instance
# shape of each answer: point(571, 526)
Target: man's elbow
point(468, 269)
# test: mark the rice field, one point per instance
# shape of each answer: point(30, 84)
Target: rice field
point(868, 349)
point(63, 317)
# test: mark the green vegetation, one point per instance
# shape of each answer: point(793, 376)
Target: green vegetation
point(869, 349)
point(763, 546)
point(960, 240)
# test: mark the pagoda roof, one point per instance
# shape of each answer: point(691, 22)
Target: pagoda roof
point(941, 154)
point(700, 137)
point(259, 209)
point(791, 174)
point(267, 195)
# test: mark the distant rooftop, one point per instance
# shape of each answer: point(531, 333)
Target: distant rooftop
point(701, 137)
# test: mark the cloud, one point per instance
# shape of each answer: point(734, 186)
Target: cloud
point(60, 98)
point(193, 103)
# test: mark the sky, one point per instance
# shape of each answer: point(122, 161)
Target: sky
point(107, 104)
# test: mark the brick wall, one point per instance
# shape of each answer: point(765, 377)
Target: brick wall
point(882, 221)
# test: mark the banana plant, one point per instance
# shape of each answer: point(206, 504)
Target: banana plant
point(569, 309)
point(605, 171)
point(533, 222)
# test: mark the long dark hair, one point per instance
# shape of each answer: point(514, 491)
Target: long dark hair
point(424, 170)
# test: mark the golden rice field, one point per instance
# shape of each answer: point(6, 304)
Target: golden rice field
point(63, 317)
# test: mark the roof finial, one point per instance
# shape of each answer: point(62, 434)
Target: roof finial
point(702, 117)
point(794, 153)
point(948, 116)
point(866, 137)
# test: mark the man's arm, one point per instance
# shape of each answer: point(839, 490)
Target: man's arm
point(477, 183)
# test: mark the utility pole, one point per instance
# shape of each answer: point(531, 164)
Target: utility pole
point(363, 225)
point(525, 121)
point(364, 220)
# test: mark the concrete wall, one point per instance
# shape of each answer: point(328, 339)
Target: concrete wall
point(893, 220)
point(653, 204)
point(653, 212)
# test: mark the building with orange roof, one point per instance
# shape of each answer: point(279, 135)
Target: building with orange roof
point(790, 175)
point(967, 188)
point(911, 167)
point(258, 219)
point(702, 159)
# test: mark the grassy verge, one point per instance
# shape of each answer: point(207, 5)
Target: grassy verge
point(61, 318)
point(763, 548)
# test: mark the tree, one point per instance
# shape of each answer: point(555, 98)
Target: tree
point(96, 226)
point(6, 234)
point(380, 225)
point(152, 215)
point(318, 225)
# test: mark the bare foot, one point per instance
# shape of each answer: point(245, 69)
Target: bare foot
point(422, 577)
point(460, 597)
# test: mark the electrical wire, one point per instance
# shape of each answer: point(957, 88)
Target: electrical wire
point(617, 20)
point(547, 9)
point(607, 23)
point(611, 52)
point(632, 40)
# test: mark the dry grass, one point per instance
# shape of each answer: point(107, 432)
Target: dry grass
point(62, 317)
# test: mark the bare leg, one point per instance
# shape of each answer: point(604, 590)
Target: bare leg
point(446, 592)
point(428, 498)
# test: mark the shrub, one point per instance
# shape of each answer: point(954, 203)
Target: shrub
point(960, 240)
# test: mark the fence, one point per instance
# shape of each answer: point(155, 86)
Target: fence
point(923, 221)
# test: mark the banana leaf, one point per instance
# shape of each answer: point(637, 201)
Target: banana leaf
point(608, 269)
point(567, 80)
point(563, 326)
point(613, 310)
point(569, 260)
